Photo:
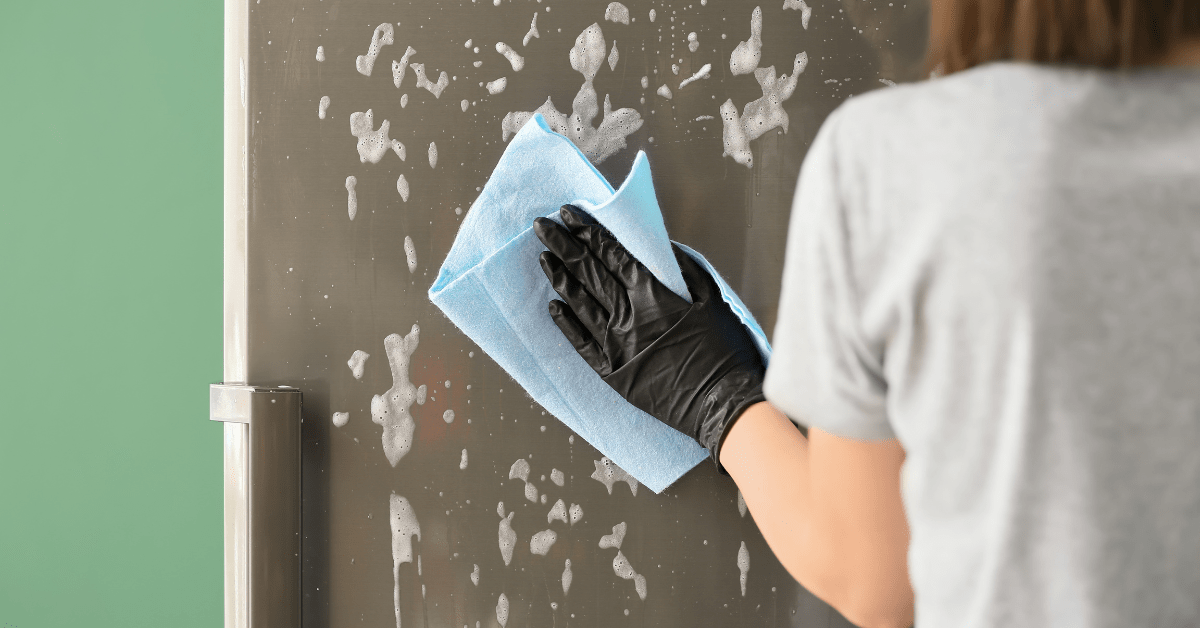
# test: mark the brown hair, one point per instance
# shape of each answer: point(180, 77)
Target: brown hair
point(1105, 33)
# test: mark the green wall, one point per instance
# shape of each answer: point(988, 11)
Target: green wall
point(110, 313)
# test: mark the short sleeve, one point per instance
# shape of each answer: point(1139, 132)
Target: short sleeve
point(824, 372)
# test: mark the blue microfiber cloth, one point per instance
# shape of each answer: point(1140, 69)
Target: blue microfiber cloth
point(493, 289)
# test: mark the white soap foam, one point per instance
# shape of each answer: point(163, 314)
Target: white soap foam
point(357, 361)
point(743, 564)
point(613, 57)
point(402, 187)
point(372, 144)
point(475, 576)
point(645, 82)
point(404, 527)
point(614, 540)
point(674, 68)
point(746, 55)
point(515, 60)
point(703, 73)
point(464, 104)
point(664, 91)
point(448, 416)
point(497, 86)
point(608, 474)
point(701, 118)
point(502, 603)
point(322, 107)
point(351, 196)
point(597, 143)
point(391, 410)
point(888, 82)
point(653, 14)
point(741, 504)
point(542, 541)
point(476, 63)
point(398, 148)
point(340, 418)
point(423, 82)
point(419, 568)
point(576, 513)
point(766, 113)
point(403, 100)
point(519, 470)
point(462, 464)
point(320, 53)
point(624, 570)
point(567, 577)
point(421, 390)
point(533, 31)
point(558, 511)
point(432, 154)
point(557, 477)
point(799, 5)
point(384, 35)
point(617, 12)
point(693, 42)
point(508, 538)
point(410, 251)
point(733, 136)
point(398, 67)
point(531, 492)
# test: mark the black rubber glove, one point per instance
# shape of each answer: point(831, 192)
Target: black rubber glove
point(691, 365)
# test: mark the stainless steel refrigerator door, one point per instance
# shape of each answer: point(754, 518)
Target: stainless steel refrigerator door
point(307, 287)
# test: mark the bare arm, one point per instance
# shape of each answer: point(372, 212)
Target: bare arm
point(830, 508)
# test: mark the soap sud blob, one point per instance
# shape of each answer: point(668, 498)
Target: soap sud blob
point(515, 60)
point(320, 53)
point(614, 540)
point(653, 14)
point(703, 73)
point(888, 82)
point(462, 464)
point(475, 576)
point(421, 390)
point(596, 143)
point(533, 32)
point(351, 196)
point(403, 100)
point(613, 57)
point(502, 603)
point(497, 86)
point(645, 82)
point(743, 565)
point(448, 417)
point(759, 115)
point(432, 155)
point(558, 511)
point(576, 513)
point(372, 144)
point(693, 42)
point(464, 104)
point(744, 58)
point(507, 536)
point(542, 541)
point(520, 471)
point(391, 410)
point(617, 12)
point(410, 251)
point(608, 474)
point(398, 148)
point(624, 570)
point(384, 35)
point(402, 188)
point(357, 361)
point(340, 418)
point(664, 91)
point(567, 576)
point(741, 504)
point(404, 527)
point(423, 82)
point(322, 107)
point(802, 7)
point(398, 67)
point(556, 476)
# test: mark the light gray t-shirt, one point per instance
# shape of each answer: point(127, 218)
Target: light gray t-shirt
point(1001, 269)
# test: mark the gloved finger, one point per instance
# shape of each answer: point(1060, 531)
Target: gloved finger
point(699, 282)
point(584, 343)
point(585, 266)
point(589, 312)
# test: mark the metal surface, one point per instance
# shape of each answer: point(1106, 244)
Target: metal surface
point(262, 503)
point(317, 286)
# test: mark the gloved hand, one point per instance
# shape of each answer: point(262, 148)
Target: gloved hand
point(691, 365)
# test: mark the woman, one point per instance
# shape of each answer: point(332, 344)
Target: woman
point(989, 322)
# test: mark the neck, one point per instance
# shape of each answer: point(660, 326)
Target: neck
point(1184, 53)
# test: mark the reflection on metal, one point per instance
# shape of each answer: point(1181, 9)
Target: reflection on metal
point(307, 285)
point(262, 503)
